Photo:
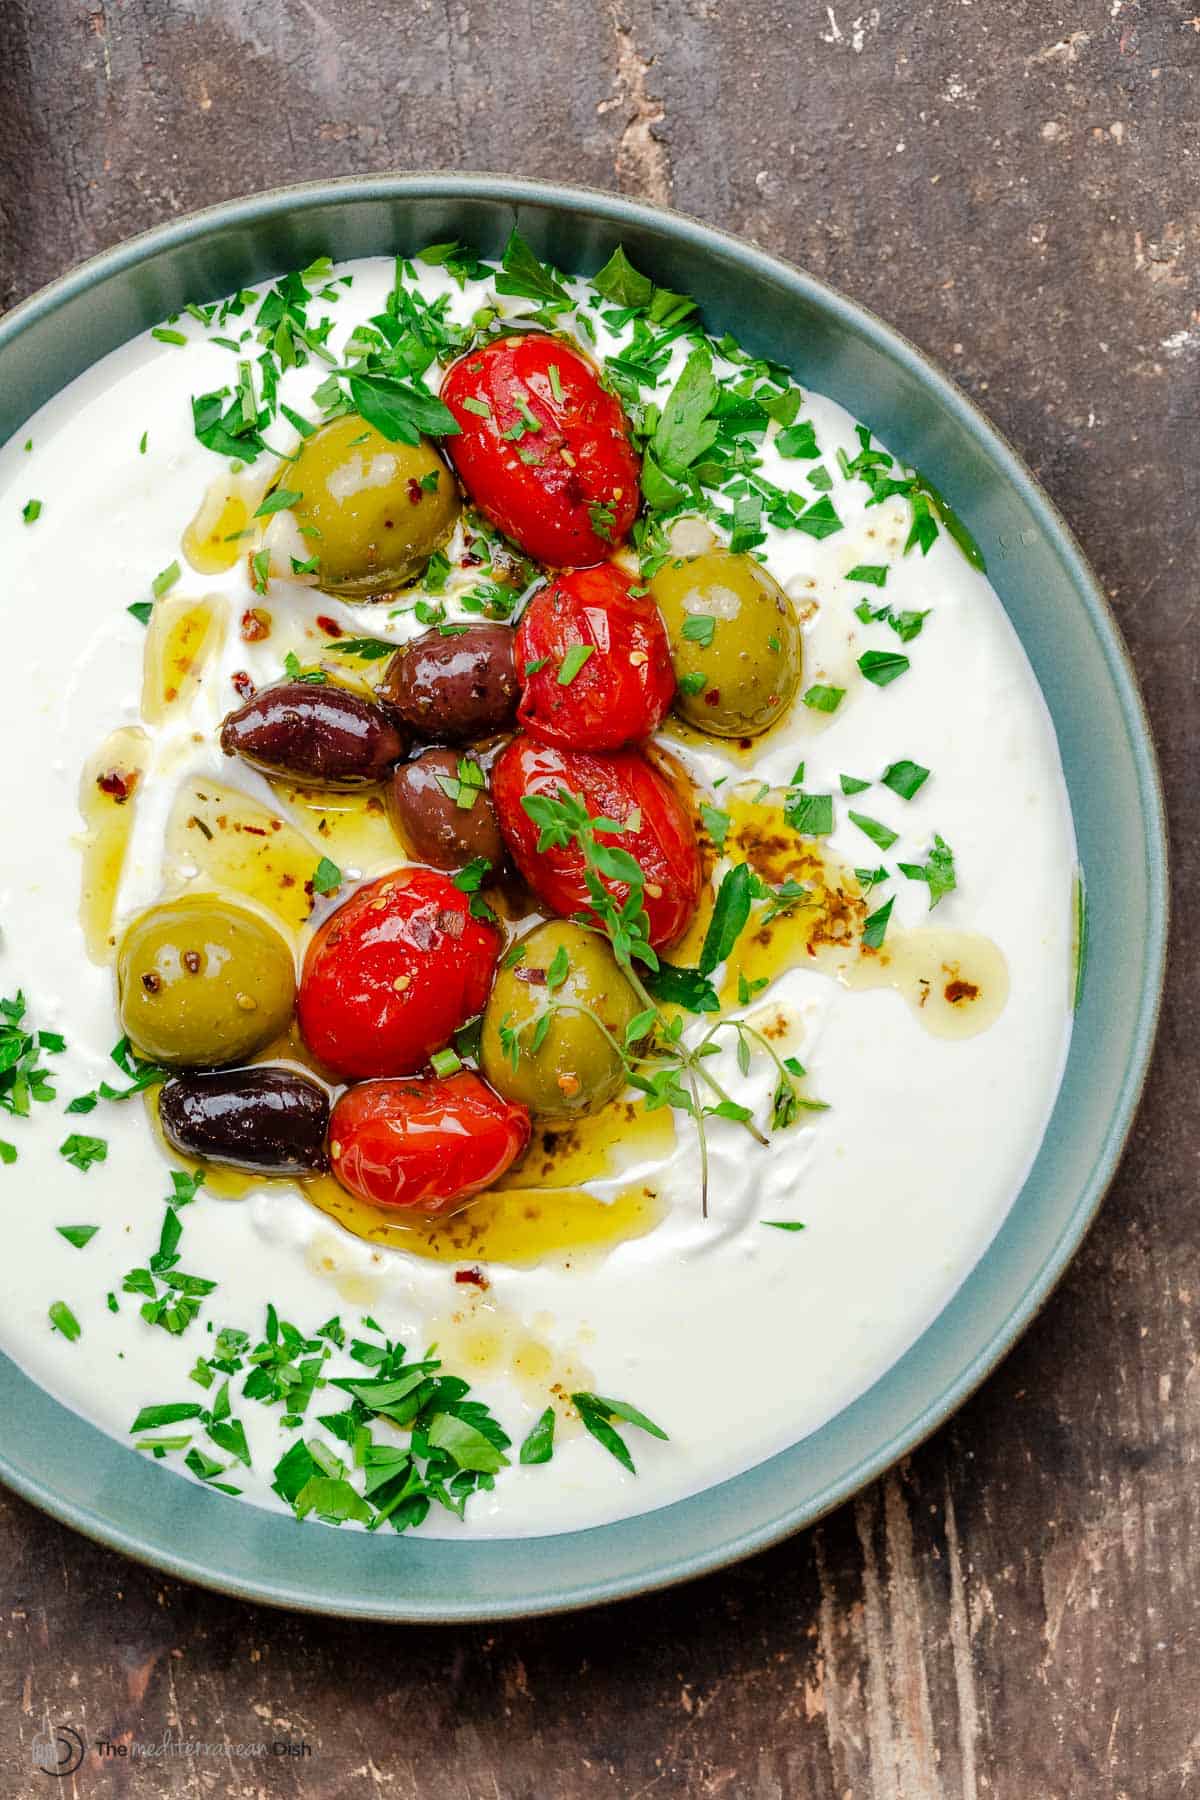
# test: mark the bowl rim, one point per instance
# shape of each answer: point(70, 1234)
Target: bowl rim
point(615, 211)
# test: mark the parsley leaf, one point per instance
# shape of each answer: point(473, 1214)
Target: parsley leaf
point(875, 926)
point(78, 1235)
point(730, 915)
point(799, 440)
point(904, 778)
point(82, 1152)
point(621, 283)
point(399, 411)
point(937, 870)
point(882, 666)
point(879, 834)
point(538, 1447)
point(64, 1320)
point(823, 699)
point(572, 662)
point(327, 877)
point(685, 431)
point(809, 814)
point(523, 275)
point(597, 1413)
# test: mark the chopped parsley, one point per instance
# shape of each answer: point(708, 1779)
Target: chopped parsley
point(280, 499)
point(875, 926)
point(809, 814)
point(465, 787)
point(538, 1447)
point(799, 440)
point(882, 666)
point(369, 649)
point(597, 1414)
point(716, 823)
point(165, 580)
point(823, 699)
point(82, 1151)
point(63, 1319)
point(699, 628)
point(874, 574)
point(31, 511)
point(904, 778)
point(78, 1235)
point(1079, 909)
point(23, 1080)
point(327, 877)
point(142, 1074)
point(572, 662)
point(879, 834)
point(937, 871)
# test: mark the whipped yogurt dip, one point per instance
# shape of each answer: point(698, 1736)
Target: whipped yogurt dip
point(736, 1336)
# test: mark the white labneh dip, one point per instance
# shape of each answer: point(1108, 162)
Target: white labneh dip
point(735, 1336)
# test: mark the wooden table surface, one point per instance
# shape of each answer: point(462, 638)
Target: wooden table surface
point(1012, 1613)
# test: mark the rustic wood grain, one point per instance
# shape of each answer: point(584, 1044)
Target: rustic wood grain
point(1012, 1615)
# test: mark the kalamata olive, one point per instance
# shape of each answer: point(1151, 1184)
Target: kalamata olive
point(451, 688)
point(441, 807)
point(270, 1120)
point(315, 733)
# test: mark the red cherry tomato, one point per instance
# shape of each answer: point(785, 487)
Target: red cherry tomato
point(427, 1145)
point(392, 974)
point(543, 449)
point(621, 786)
point(621, 693)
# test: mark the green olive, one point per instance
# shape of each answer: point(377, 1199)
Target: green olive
point(573, 1069)
point(372, 511)
point(201, 982)
point(735, 642)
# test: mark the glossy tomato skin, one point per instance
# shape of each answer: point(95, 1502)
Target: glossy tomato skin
point(584, 456)
point(424, 1146)
point(621, 693)
point(615, 786)
point(391, 975)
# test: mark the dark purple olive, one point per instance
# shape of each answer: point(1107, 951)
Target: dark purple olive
point(269, 1120)
point(315, 733)
point(456, 687)
point(444, 812)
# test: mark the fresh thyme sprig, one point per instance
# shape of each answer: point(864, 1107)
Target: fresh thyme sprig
point(657, 1060)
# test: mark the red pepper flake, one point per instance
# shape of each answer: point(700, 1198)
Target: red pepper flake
point(472, 1278)
point(414, 491)
point(961, 990)
point(243, 685)
point(256, 624)
point(329, 626)
point(118, 784)
point(713, 697)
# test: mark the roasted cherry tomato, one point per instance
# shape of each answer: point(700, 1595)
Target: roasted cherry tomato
point(392, 974)
point(621, 786)
point(543, 449)
point(595, 662)
point(427, 1145)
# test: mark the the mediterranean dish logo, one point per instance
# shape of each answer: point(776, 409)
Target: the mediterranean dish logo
point(61, 1750)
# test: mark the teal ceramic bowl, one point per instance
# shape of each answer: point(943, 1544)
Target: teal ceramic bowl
point(80, 1476)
